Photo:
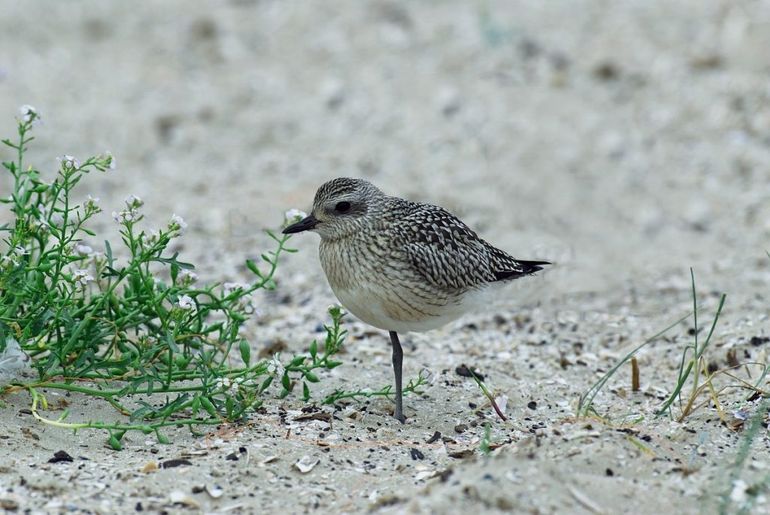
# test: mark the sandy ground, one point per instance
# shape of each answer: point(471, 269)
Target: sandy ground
point(624, 141)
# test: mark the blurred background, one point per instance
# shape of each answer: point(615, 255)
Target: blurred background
point(626, 141)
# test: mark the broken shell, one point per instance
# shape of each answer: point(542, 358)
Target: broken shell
point(151, 466)
point(177, 497)
point(215, 492)
point(306, 464)
point(267, 460)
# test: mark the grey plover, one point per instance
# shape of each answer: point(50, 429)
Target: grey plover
point(399, 265)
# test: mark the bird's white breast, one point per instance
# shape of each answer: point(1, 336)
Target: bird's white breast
point(387, 294)
point(378, 309)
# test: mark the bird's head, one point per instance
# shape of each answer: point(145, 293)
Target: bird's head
point(341, 207)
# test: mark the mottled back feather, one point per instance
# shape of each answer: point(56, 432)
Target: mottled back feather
point(446, 252)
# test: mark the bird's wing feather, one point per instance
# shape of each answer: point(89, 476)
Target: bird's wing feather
point(448, 254)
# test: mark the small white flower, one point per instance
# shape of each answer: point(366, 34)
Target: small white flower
point(82, 277)
point(18, 250)
point(294, 215)
point(67, 161)
point(28, 113)
point(246, 303)
point(177, 223)
point(92, 204)
point(110, 160)
point(134, 202)
point(126, 216)
point(275, 367)
point(187, 277)
point(7, 262)
point(229, 288)
point(83, 250)
point(223, 382)
point(186, 302)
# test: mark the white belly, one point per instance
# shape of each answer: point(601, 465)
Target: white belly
point(369, 305)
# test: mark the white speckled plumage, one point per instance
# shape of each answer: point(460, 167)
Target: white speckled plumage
point(400, 265)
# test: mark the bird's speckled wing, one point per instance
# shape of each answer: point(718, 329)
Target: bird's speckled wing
point(448, 254)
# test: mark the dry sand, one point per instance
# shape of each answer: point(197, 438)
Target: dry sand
point(626, 141)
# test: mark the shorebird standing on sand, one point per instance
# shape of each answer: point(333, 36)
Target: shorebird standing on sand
point(402, 266)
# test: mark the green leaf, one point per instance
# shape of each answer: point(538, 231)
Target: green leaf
point(305, 392)
point(196, 405)
point(313, 349)
point(114, 443)
point(286, 382)
point(209, 406)
point(245, 352)
point(311, 377)
point(108, 253)
point(173, 261)
point(251, 265)
point(171, 342)
point(162, 438)
point(115, 439)
point(265, 384)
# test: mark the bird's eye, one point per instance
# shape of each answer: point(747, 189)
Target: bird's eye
point(342, 207)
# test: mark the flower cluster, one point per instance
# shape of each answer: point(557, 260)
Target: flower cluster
point(29, 114)
point(82, 277)
point(7, 262)
point(83, 250)
point(108, 160)
point(134, 202)
point(275, 367)
point(14, 257)
point(67, 162)
point(91, 206)
point(185, 303)
point(229, 386)
point(187, 277)
point(131, 214)
point(177, 225)
point(293, 215)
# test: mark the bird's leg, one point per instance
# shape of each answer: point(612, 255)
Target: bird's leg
point(398, 356)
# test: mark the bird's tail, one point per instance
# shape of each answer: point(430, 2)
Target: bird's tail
point(530, 267)
point(520, 269)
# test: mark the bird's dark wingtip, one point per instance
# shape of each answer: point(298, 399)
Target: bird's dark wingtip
point(530, 267)
point(523, 268)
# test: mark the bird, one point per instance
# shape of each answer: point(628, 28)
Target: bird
point(402, 266)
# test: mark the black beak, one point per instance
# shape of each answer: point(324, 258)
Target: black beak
point(305, 224)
